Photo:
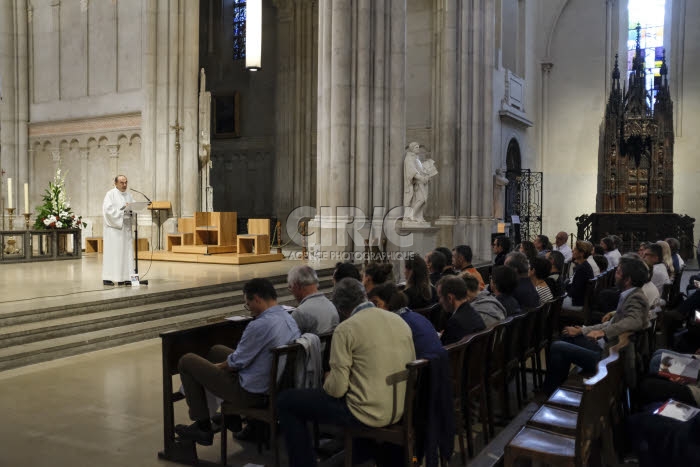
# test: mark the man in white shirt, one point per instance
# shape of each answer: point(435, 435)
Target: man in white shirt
point(561, 246)
point(118, 257)
point(612, 254)
point(652, 256)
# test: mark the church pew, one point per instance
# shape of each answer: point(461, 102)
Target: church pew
point(175, 344)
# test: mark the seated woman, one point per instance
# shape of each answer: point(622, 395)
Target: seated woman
point(420, 292)
point(377, 273)
point(539, 271)
point(528, 249)
point(582, 274)
point(425, 340)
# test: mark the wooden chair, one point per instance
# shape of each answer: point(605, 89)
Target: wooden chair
point(496, 369)
point(538, 445)
point(546, 328)
point(474, 386)
point(432, 313)
point(530, 345)
point(175, 344)
point(401, 433)
point(515, 341)
point(284, 360)
point(473, 345)
point(257, 239)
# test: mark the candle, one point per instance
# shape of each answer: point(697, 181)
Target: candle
point(9, 192)
point(26, 197)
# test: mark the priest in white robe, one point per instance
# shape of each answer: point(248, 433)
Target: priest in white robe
point(118, 257)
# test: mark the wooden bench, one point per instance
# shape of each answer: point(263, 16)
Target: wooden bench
point(175, 344)
point(96, 244)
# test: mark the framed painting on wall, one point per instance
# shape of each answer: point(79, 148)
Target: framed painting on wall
point(225, 115)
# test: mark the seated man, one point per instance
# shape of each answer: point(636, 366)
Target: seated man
point(656, 389)
point(241, 377)
point(315, 313)
point(462, 262)
point(561, 246)
point(652, 255)
point(452, 294)
point(367, 347)
point(660, 441)
point(500, 248)
point(612, 254)
point(580, 345)
point(488, 306)
point(504, 280)
point(524, 292)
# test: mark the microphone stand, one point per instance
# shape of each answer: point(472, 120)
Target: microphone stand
point(136, 239)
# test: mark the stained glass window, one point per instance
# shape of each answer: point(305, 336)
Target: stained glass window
point(649, 15)
point(239, 16)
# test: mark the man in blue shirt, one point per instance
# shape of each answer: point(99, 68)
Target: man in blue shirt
point(241, 377)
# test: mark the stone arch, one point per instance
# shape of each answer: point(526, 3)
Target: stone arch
point(553, 28)
point(103, 141)
point(514, 158)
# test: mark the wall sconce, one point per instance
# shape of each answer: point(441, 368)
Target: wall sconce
point(253, 35)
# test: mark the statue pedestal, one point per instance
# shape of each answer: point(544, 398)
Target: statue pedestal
point(416, 238)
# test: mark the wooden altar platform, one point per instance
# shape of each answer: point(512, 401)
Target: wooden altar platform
point(219, 258)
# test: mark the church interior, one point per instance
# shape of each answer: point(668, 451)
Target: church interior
point(267, 134)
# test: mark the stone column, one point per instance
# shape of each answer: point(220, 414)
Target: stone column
point(149, 112)
point(361, 121)
point(8, 125)
point(22, 86)
point(295, 164)
point(475, 134)
point(113, 158)
point(445, 134)
point(189, 154)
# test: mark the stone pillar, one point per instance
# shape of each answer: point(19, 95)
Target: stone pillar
point(149, 112)
point(295, 165)
point(189, 153)
point(475, 124)
point(445, 134)
point(22, 86)
point(361, 121)
point(113, 158)
point(8, 126)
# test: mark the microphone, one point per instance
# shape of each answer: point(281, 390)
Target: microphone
point(147, 198)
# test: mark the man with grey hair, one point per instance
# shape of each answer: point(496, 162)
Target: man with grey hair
point(367, 347)
point(315, 313)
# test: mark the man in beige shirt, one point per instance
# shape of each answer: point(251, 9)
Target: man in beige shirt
point(370, 345)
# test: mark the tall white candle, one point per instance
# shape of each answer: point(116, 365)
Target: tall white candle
point(26, 197)
point(9, 192)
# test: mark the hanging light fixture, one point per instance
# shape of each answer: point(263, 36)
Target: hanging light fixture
point(253, 35)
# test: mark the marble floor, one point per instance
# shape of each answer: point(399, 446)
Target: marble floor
point(24, 285)
point(102, 408)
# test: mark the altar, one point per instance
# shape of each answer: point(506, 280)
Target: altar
point(22, 246)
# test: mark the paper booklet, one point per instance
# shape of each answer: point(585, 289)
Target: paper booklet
point(677, 410)
point(683, 369)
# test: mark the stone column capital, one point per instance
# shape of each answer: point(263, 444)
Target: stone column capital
point(547, 66)
point(84, 153)
point(56, 155)
point(113, 150)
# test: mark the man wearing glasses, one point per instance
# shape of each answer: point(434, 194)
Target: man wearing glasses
point(241, 376)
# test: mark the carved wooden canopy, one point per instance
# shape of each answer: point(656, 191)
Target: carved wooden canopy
point(635, 157)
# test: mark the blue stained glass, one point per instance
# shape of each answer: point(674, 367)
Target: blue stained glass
point(239, 18)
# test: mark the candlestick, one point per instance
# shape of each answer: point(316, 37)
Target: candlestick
point(26, 197)
point(11, 215)
point(27, 215)
point(9, 193)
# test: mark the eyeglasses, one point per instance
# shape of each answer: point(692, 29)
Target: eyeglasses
point(246, 307)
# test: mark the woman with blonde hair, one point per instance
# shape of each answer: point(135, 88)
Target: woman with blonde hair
point(667, 259)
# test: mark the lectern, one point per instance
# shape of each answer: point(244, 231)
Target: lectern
point(157, 207)
point(135, 208)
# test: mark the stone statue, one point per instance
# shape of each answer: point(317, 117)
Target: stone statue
point(416, 174)
point(499, 184)
point(205, 142)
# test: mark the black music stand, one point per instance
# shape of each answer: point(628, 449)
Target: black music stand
point(135, 208)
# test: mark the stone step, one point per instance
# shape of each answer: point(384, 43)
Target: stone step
point(35, 334)
point(39, 310)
